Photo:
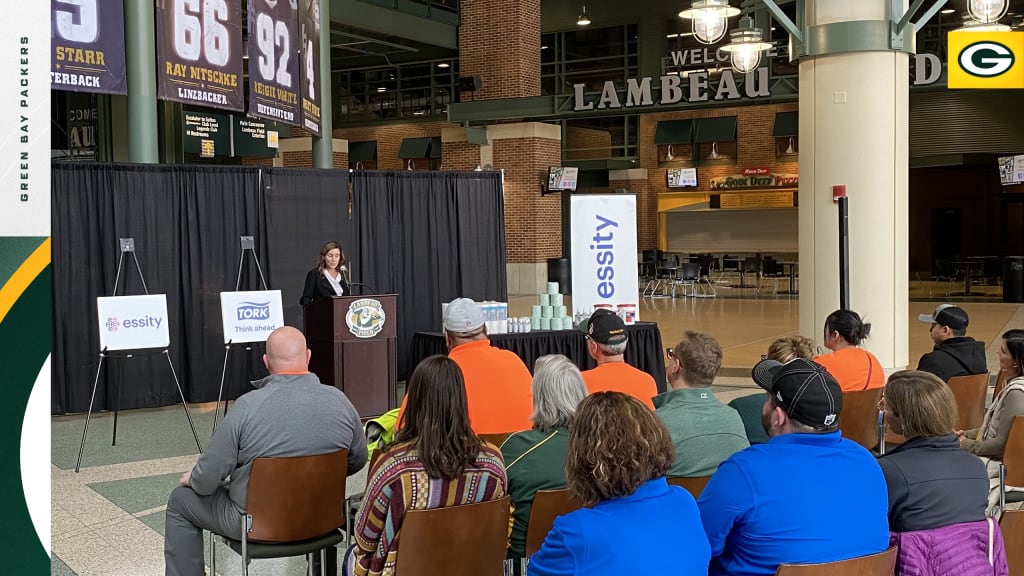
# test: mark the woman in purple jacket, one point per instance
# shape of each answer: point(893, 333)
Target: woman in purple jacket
point(937, 492)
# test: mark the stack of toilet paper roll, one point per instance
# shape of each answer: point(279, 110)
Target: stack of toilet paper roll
point(550, 313)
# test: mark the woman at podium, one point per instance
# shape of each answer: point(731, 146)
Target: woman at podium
point(328, 278)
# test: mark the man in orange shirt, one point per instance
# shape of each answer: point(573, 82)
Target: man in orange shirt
point(606, 343)
point(497, 382)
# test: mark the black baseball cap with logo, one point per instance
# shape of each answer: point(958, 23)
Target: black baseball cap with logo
point(947, 315)
point(804, 389)
point(605, 327)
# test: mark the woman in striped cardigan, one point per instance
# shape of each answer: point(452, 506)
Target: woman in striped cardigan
point(434, 461)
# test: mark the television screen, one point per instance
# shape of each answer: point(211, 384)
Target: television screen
point(1011, 169)
point(682, 177)
point(562, 178)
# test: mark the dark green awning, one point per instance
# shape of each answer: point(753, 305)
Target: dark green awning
point(435, 147)
point(414, 148)
point(362, 151)
point(673, 132)
point(786, 124)
point(721, 129)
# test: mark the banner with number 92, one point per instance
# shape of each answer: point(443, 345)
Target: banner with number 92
point(274, 60)
point(87, 44)
point(199, 52)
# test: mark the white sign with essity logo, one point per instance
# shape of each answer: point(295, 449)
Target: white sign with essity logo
point(604, 269)
point(250, 316)
point(133, 322)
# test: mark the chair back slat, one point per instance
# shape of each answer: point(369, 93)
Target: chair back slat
point(1011, 524)
point(693, 484)
point(298, 498)
point(859, 417)
point(464, 540)
point(1013, 453)
point(880, 564)
point(969, 392)
point(547, 505)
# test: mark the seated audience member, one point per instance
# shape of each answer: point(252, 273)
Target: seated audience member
point(704, 431)
point(435, 461)
point(535, 458)
point(937, 492)
point(989, 441)
point(606, 343)
point(955, 353)
point(808, 495)
point(618, 455)
point(290, 413)
point(749, 407)
point(497, 381)
point(852, 366)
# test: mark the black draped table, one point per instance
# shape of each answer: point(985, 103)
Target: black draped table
point(644, 350)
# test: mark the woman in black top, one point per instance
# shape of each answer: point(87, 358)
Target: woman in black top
point(328, 278)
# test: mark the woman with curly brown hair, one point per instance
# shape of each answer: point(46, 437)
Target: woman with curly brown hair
point(618, 455)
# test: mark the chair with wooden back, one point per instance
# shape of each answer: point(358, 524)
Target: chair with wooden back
point(1011, 469)
point(880, 564)
point(1012, 526)
point(547, 505)
point(456, 541)
point(970, 392)
point(693, 484)
point(496, 439)
point(294, 507)
point(859, 417)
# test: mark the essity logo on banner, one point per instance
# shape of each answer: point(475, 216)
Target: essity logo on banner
point(986, 60)
point(132, 322)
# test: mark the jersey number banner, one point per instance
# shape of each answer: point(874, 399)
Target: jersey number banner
point(199, 52)
point(87, 46)
point(274, 60)
point(309, 16)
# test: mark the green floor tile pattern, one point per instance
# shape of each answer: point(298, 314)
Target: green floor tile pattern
point(138, 494)
point(59, 568)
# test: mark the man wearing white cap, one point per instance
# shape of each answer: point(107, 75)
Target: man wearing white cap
point(955, 353)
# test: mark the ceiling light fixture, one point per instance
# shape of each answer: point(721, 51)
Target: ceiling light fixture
point(443, 64)
point(987, 11)
point(947, 11)
point(583, 19)
point(746, 46)
point(710, 19)
point(972, 25)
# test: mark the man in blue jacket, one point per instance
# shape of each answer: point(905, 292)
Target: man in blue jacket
point(806, 496)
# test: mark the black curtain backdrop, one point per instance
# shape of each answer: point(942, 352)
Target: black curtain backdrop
point(304, 209)
point(429, 237)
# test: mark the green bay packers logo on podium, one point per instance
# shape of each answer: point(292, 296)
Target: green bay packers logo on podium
point(365, 318)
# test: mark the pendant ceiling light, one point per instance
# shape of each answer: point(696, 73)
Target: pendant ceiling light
point(972, 25)
point(746, 46)
point(583, 19)
point(986, 11)
point(710, 19)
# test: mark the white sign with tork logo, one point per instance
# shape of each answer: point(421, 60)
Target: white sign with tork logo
point(250, 316)
point(133, 322)
point(604, 267)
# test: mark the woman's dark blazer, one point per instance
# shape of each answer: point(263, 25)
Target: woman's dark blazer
point(318, 286)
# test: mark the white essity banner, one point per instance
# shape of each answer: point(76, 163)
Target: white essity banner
point(250, 316)
point(133, 322)
point(604, 268)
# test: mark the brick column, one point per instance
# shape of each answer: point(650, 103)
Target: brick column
point(505, 32)
point(298, 153)
point(636, 181)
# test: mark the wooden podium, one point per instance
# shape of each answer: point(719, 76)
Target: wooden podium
point(353, 344)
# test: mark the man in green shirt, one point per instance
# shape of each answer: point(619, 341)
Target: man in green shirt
point(704, 431)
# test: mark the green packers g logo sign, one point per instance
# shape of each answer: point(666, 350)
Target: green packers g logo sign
point(986, 60)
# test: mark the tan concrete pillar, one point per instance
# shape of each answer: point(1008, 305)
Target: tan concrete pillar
point(854, 131)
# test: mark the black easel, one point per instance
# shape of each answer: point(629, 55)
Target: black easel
point(128, 247)
point(247, 244)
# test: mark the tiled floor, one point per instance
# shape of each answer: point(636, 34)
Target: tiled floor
point(108, 519)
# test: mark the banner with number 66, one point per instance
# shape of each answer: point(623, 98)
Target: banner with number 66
point(199, 52)
point(274, 60)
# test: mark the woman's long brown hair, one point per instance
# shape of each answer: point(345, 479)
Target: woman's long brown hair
point(436, 419)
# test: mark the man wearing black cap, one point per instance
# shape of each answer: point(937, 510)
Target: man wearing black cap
point(806, 496)
point(606, 343)
point(955, 353)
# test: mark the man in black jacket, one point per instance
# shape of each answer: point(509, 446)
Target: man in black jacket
point(955, 353)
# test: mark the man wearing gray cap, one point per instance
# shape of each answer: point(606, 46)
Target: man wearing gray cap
point(806, 496)
point(497, 381)
point(955, 353)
